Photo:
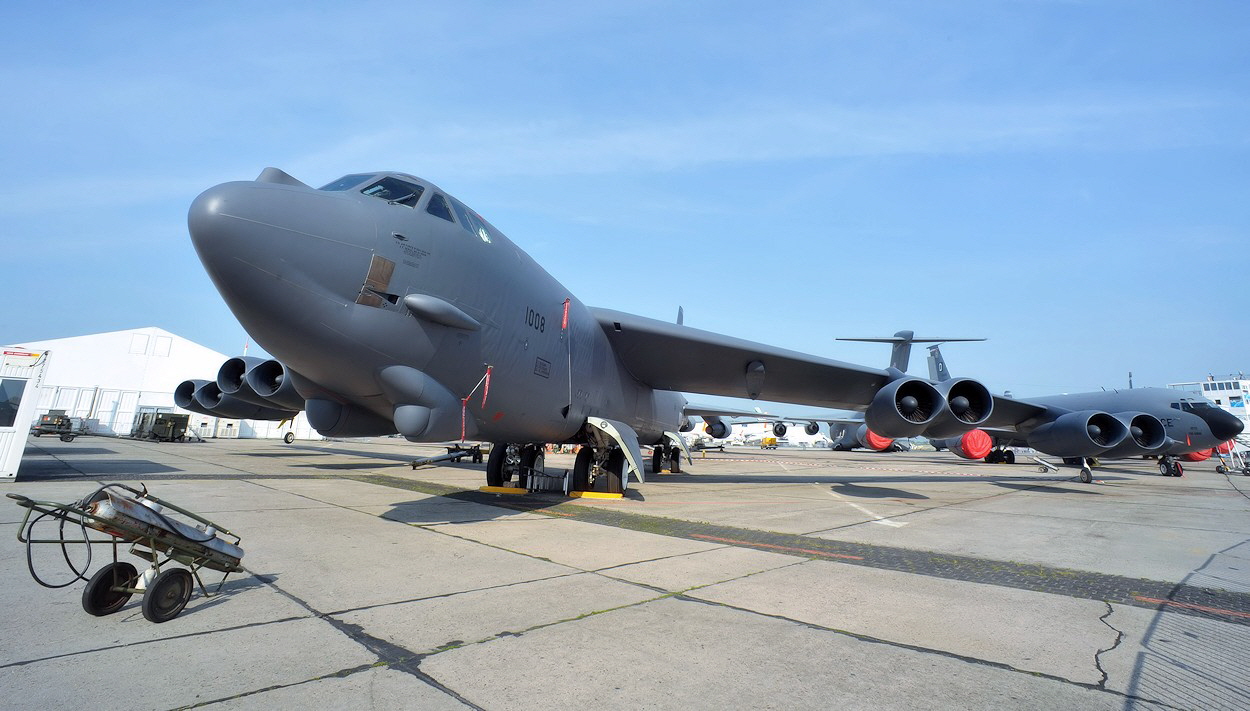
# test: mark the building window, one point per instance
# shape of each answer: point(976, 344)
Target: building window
point(11, 390)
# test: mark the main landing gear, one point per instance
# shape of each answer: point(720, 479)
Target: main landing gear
point(510, 461)
point(1000, 456)
point(600, 469)
point(1169, 466)
point(666, 458)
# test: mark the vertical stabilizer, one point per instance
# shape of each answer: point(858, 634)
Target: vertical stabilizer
point(937, 365)
point(900, 352)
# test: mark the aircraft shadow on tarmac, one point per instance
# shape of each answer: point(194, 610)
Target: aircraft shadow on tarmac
point(874, 492)
point(858, 480)
point(466, 507)
point(45, 470)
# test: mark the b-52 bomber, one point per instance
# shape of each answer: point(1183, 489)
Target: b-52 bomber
point(392, 307)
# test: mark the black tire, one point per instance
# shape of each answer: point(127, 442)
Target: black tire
point(289, 437)
point(581, 469)
point(1164, 469)
point(532, 457)
point(494, 464)
point(1086, 475)
point(657, 459)
point(1221, 469)
point(1009, 457)
point(67, 438)
point(674, 460)
point(1179, 470)
point(99, 598)
point(167, 595)
point(611, 475)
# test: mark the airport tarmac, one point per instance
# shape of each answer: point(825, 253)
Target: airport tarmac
point(779, 579)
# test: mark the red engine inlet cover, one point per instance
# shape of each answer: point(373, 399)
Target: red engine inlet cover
point(1200, 456)
point(976, 444)
point(1225, 447)
point(876, 441)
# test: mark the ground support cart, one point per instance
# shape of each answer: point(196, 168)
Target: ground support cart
point(133, 516)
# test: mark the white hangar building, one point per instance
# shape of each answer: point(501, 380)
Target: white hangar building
point(105, 380)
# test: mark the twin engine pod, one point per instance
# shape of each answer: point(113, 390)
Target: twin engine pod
point(232, 396)
point(1089, 433)
point(907, 407)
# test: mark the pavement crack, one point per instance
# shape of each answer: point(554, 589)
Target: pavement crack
point(1119, 638)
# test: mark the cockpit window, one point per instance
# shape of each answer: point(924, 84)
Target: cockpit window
point(438, 207)
point(395, 191)
point(347, 182)
point(471, 222)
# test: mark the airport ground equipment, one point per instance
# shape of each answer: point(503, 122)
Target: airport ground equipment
point(161, 426)
point(135, 517)
point(56, 422)
point(1235, 463)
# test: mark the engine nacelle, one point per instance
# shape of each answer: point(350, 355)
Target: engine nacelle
point(686, 425)
point(974, 444)
point(968, 405)
point(1087, 433)
point(779, 429)
point(270, 380)
point(1146, 435)
point(334, 419)
point(206, 398)
point(904, 408)
point(811, 429)
point(717, 429)
point(871, 440)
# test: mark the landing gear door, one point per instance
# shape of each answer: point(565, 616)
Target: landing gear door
point(680, 442)
point(621, 433)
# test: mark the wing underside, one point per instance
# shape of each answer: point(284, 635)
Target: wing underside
point(668, 356)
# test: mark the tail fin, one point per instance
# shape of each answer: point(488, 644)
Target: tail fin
point(900, 353)
point(937, 365)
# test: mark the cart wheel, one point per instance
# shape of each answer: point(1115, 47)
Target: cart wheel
point(289, 437)
point(67, 438)
point(167, 595)
point(99, 598)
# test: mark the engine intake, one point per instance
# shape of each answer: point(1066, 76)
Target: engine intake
point(206, 398)
point(1146, 434)
point(811, 429)
point(904, 408)
point(779, 429)
point(968, 404)
point(1086, 433)
point(269, 379)
point(717, 429)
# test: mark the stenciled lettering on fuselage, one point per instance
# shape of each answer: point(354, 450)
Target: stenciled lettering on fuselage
point(535, 320)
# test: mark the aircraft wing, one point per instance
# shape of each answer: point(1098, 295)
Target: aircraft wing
point(1017, 414)
point(668, 356)
point(713, 411)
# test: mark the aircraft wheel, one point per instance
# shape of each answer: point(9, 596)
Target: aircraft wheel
point(1179, 470)
point(657, 459)
point(612, 472)
point(532, 460)
point(581, 469)
point(674, 459)
point(495, 463)
point(1086, 475)
point(99, 598)
point(1164, 469)
point(167, 595)
point(289, 437)
point(1009, 457)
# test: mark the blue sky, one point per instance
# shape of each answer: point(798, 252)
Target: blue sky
point(1068, 179)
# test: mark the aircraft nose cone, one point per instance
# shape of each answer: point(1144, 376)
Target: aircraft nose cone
point(1224, 425)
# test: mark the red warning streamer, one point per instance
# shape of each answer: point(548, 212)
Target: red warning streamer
point(564, 323)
